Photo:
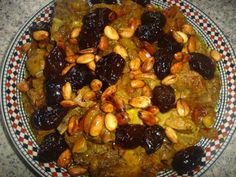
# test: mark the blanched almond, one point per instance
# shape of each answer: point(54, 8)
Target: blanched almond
point(169, 80)
point(111, 122)
point(111, 33)
point(126, 32)
point(96, 125)
point(140, 102)
point(85, 58)
point(137, 83)
point(121, 51)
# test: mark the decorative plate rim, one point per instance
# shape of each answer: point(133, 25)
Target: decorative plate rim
point(12, 45)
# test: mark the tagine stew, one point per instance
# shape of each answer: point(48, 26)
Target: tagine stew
point(117, 90)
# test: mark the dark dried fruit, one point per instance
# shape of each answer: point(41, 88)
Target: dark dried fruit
point(162, 64)
point(41, 26)
point(164, 98)
point(169, 44)
point(155, 18)
point(129, 136)
point(51, 147)
point(48, 117)
point(53, 88)
point(148, 33)
point(203, 65)
point(153, 138)
point(109, 68)
point(103, 1)
point(186, 160)
point(88, 39)
point(93, 26)
point(79, 76)
point(55, 62)
point(143, 2)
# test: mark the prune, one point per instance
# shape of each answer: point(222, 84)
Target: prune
point(51, 147)
point(149, 33)
point(41, 26)
point(203, 65)
point(103, 1)
point(155, 18)
point(163, 97)
point(55, 62)
point(162, 63)
point(109, 68)
point(153, 138)
point(88, 39)
point(97, 20)
point(53, 88)
point(129, 136)
point(169, 44)
point(79, 76)
point(143, 2)
point(186, 160)
point(48, 117)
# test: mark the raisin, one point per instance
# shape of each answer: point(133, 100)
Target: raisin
point(79, 76)
point(149, 33)
point(48, 117)
point(129, 136)
point(142, 2)
point(51, 147)
point(164, 98)
point(203, 65)
point(55, 62)
point(162, 63)
point(53, 88)
point(169, 44)
point(153, 138)
point(109, 68)
point(151, 17)
point(186, 160)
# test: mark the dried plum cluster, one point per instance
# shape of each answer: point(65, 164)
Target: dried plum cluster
point(109, 68)
point(51, 147)
point(93, 26)
point(186, 160)
point(164, 98)
point(203, 65)
point(131, 136)
point(150, 29)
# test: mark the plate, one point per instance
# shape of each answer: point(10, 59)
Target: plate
point(15, 119)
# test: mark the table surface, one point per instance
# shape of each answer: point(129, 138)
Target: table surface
point(13, 13)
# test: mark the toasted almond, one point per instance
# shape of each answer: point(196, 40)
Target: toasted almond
point(178, 56)
point(121, 51)
point(147, 118)
point(89, 96)
point(215, 55)
point(71, 59)
point(73, 125)
point(140, 102)
point(88, 50)
point(111, 122)
point(96, 85)
point(188, 29)
point(111, 33)
point(69, 51)
point(118, 103)
point(76, 170)
point(85, 58)
point(148, 65)
point(192, 44)
point(40, 35)
point(143, 76)
point(108, 93)
point(134, 23)
point(169, 80)
point(144, 54)
point(176, 68)
point(107, 107)
point(180, 37)
point(104, 43)
point(68, 103)
point(67, 91)
point(137, 83)
point(149, 47)
point(182, 108)
point(153, 109)
point(65, 159)
point(67, 68)
point(126, 32)
point(96, 125)
point(91, 65)
point(75, 32)
point(171, 135)
point(147, 91)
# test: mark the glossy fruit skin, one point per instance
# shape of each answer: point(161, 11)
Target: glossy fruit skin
point(169, 44)
point(156, 18)
point(153, 138)
point(51, 147)
point(48, 117)
point(103, 1)
point(55, 62)
point(186, 160)
point(79, 75)
point(162, 64)
point(131, 136)
point(41, 26)
point(93, 26)
point(164, 98)
point(203, 65)
point(142, 2)
point(109, 68)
